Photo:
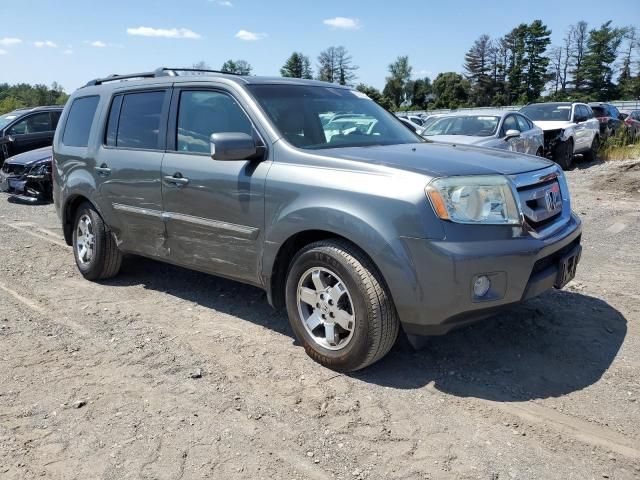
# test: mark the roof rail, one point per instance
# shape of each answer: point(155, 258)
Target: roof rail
point(158, 72)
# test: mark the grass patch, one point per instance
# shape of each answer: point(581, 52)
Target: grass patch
point(618, 147)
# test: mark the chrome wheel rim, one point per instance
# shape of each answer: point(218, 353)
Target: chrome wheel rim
point(325, 308)
point(85, 239)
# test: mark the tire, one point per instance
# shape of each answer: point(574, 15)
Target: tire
point(362, 303)
point(563, 154)
point(591, 155)
point(101, 258)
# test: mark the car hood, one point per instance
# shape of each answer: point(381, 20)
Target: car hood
point(32, 156)
point(458, 139)
point(442, 159)
point(553, 125)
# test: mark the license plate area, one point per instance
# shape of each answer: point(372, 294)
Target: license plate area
point(567, 267)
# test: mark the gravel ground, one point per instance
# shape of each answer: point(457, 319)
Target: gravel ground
point(164, 373)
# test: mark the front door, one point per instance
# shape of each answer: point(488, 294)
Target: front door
point(33, 131)
point(214, 210)
point(127, 170)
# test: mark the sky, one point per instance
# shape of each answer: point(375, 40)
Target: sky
point(73, 41)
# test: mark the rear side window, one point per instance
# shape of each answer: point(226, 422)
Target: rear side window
point(138, 124)
point(79, 121)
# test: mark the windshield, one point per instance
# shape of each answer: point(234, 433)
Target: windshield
point(6, 119)
point(549, 112)
point(471, 125)
point(306, 117)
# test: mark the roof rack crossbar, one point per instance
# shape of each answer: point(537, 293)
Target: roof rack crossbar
point(158, 72)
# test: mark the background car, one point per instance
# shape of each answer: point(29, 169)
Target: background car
point(500, 129)
point(569, 128)
point(27, 176)
point(632, 121)
point(609, 117)
point(27, 129)
point(410, 125)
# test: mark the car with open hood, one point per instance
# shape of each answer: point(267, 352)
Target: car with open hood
point(569, 129)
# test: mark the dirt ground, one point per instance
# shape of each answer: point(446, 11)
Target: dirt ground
point(163, 373)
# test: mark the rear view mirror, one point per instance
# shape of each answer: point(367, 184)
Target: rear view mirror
point(233, 146)
point(513, 133)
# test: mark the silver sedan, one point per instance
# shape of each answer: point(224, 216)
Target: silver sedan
point(501, 129)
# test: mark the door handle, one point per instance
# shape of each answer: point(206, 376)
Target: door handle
point(103, 170)
point(176, 179)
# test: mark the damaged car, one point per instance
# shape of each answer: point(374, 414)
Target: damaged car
point(27, 176)
point(569, 129)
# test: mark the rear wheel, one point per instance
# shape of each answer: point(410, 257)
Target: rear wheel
point(96, 253)
point(592, 154)
point(339, 307)
point(563, 154)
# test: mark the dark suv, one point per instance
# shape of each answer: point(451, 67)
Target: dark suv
point(610, 118)
point(27, 129)
point(357, 231)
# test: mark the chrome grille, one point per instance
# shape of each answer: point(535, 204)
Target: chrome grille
point(544, 201)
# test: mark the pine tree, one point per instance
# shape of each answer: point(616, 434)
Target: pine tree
point(478, 67)
point(537, 38)
point(602, 51)
point(626, 82)
point(297, 66)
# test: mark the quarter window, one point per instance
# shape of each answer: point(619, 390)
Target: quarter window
point(138, 125)
point(203, 113)
point(79, 121)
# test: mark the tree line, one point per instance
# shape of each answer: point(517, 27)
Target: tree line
point(24, 95)
point(522, 66)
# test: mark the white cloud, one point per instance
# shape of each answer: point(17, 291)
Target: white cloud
point(249, 36)
point(3, 52)
point(9, 41)
point(163, 32)
point(98, 44)
point(344, 23)
point(225, 3)
point(45, 43)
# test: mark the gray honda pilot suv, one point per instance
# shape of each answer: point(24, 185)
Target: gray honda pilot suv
point(357, 227)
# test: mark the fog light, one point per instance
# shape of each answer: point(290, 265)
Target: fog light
point(481, 286)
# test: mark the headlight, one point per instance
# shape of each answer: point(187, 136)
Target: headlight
point(486, 199)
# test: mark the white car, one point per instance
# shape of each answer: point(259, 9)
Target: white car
point(569, 128)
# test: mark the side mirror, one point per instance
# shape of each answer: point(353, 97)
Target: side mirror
point(233, 146)
point(10, 138)
point(513, 133)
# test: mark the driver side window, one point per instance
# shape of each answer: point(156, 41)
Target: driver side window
point(509, 124)
point(203, 113)
point(38, 123)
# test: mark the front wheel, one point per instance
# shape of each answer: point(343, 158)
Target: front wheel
point(96, 253)
point(338, 306)
point(563, 154)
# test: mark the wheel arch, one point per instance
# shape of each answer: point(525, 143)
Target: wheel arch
point(71, 205)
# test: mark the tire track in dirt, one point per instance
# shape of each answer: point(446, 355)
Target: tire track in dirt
point(566, 425)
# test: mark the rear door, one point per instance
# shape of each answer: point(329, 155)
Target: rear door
point(33, 131)
point(214, 210)
point(127, 169)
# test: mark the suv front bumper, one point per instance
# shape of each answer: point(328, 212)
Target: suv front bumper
point(440, 296)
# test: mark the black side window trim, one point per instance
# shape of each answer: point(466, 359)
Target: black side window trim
point(162, 134)
point(172, 123)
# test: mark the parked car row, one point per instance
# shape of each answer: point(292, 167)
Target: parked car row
point(558, 131)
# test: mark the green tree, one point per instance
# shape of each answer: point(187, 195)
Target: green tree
point(477, 65)
point(335, 65)
point(451, 90)
point(537, 39)
point(515, 42)
point(239, 67)
point(627, 83)
point(398, 87)
point(580, 37)
point(421, 92)
point(602, 51)
point(375, 95)
point(297, 66)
